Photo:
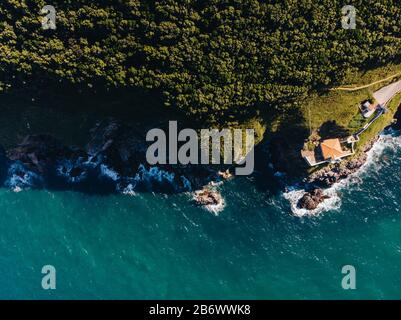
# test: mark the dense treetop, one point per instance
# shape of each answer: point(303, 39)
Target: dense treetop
point(213, 59)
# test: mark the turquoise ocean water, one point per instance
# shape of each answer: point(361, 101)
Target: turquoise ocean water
point(153, 246)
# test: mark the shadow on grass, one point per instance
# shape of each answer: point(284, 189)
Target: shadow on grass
point(330, 129)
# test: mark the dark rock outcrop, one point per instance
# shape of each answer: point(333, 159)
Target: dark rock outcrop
point(3, 164)
point(41, 152)
point(119, 147)
point(397, 119)
point(312, 199)
point(207, 197)
point(123, 148)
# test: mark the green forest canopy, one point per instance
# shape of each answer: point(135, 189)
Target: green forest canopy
point(214, 60)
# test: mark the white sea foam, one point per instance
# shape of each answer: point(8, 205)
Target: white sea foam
point(19, 178)
point(186, 184)
point(151, 178)
point(64, 169)
point(154, 174)
point(279, 174)
point(107, 172)
point(333, 203)
point(214, 208)
point(92, 161)
point(389, 140)
point(215, 183)
point(129, 190)
point(17, 189)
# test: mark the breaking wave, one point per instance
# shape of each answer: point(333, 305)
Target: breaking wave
point(84, 173)
point(72, 172)
point(155, 178)
point(332, 203)
point(20, 178)
point(216, 209)
point(107, 172)
point(213, 208)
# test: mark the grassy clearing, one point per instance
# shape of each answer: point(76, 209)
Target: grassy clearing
point(336, 113)
point(339, 107)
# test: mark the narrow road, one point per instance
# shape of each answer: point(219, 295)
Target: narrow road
point(366, 126)
point(382, 96)
point(385, 94)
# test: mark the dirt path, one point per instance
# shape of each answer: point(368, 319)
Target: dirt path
point(366, 85)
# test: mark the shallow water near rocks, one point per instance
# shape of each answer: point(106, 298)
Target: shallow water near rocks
point(154, 246)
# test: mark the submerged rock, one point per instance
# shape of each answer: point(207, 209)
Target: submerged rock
point(207, 197)
point(76, 172)
point(312, 199)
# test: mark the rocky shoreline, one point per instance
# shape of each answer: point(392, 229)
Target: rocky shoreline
point(113, 160)
point(328, 176)
point(317, 182)
point(334, 173)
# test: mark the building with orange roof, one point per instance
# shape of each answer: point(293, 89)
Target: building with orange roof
point(329, 150)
